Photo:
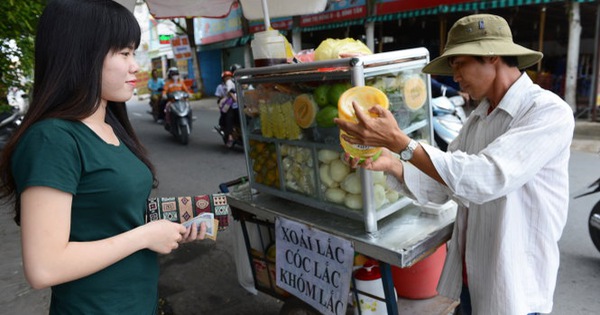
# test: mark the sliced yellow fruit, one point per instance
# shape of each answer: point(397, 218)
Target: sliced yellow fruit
point(364, 96)
point(305, 110)
point(415, 93)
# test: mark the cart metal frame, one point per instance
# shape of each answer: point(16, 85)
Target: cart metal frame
point(389, 247)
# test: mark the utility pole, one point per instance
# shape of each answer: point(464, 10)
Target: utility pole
point(573, 56)
point(595, 90)
point(189, 25)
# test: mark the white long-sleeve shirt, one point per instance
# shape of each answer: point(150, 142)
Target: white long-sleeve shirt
point(509, 173)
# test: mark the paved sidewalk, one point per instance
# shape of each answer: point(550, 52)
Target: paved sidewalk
point(587, 136)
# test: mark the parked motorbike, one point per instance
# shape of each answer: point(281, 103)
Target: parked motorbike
point(594, 218)
point(448, 118)
point(9, 122)
point(178, 116)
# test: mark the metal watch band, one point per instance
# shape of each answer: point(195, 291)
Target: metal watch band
point(407, 153)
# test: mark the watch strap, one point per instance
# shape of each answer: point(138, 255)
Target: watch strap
point(407, 153)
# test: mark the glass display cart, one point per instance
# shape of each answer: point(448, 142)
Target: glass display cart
point(292, 146)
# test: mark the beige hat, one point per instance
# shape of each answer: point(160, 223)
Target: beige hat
point(481, 35)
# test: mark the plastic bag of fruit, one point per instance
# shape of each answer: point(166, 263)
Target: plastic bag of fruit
point(340, 48)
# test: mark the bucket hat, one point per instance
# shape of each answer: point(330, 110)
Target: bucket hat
point(481, 35)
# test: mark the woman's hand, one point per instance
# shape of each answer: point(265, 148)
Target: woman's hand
point(163, 236)
point(166, 235)
point(194, 233)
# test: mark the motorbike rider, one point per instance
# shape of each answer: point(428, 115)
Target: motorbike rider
point(174, 83)
point(156, 86)
point(228, 106)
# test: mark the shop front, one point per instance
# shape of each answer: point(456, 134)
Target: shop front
point(387, 25)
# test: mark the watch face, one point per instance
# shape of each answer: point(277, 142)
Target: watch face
point(406, 155)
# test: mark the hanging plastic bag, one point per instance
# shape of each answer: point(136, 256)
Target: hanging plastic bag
point(341, 48)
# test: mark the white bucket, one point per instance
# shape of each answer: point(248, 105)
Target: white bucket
point(368, 280)
point(268, 48)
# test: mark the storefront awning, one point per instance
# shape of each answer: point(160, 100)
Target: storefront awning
point(459, 7)
point(331, 25)
point(220, 45)
point(240, 41)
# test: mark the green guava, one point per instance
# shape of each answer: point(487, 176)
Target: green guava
point(336, 90)
point(326, 115)
point(320, 95)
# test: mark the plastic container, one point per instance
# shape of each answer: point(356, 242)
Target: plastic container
point(365, 97)
point(368, 280)
point(359, 151)
point(420, 280)
point(268, 48)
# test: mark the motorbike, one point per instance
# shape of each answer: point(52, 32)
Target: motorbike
point(448, 118)
point(236, 134)
point(9, 122)
point(155, 105)
point(594, 218)
point(178, 116)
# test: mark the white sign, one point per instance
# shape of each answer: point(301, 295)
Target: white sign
point(181, 47)
point(313, 265)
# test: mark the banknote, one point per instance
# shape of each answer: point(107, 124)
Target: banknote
point(212, 224)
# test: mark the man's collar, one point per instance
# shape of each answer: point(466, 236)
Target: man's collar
point(510, 102)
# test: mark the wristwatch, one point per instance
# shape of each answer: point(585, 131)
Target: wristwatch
point(407, 153)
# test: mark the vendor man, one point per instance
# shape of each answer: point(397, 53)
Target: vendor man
point(507, 170)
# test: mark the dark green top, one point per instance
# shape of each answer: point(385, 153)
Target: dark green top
point(110, 186)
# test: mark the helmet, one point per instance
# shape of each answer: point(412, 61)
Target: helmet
point(226, 74)
point(172, 71)
point(233, 68)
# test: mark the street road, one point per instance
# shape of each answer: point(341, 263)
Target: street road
point(578, 288)
point(200, 278)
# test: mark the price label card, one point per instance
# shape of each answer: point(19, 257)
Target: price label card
point(313, 265)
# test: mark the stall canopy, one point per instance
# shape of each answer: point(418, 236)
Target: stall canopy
point(253, 9)
point(162, 9)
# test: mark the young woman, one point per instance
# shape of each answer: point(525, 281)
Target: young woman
point(79, 175)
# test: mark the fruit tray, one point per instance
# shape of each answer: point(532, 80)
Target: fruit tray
point(292, 146)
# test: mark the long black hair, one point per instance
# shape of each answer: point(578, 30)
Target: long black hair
point(73, 39)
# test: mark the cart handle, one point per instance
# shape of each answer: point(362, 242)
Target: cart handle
point(224, 187)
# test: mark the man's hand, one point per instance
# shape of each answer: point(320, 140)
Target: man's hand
point(377, 129)
point(386, 162)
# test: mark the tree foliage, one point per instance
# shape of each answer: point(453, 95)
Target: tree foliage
point(17, 34)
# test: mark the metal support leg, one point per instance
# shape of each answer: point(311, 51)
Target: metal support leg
point(248, 254)
point(388, 287)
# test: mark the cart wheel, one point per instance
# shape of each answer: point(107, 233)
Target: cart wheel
point(295, 306)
